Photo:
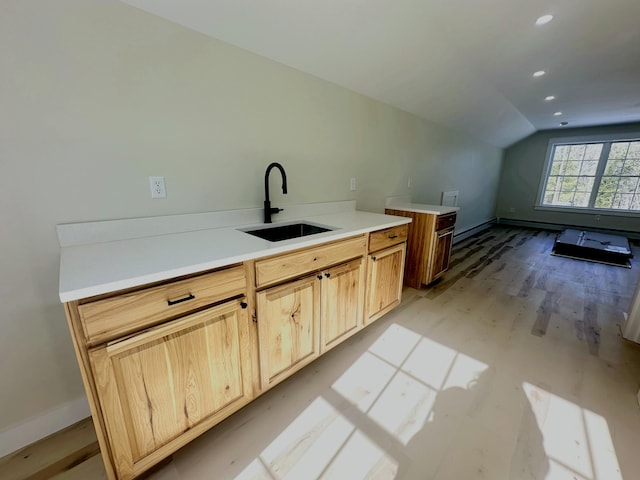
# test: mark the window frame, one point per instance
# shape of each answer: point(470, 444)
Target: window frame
point(579, 140)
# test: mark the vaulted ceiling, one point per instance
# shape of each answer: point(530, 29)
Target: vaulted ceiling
point(466, 64)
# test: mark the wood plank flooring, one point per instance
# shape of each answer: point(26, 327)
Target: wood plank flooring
point(51, 457)
point(510, 367)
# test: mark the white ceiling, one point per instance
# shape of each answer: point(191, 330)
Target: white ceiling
point(466, 64)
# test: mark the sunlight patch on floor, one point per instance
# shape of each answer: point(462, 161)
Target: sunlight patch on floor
point(307, 445)
point(320, 443)
point(360, 457)
point(403, 407)
point(576, 441)
point(401, 384)
point(429, 362)
point(396, 382)
point(395, 344)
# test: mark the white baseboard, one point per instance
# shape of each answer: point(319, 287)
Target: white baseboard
point(560, 226)
point(42, 425)
point(458, 237)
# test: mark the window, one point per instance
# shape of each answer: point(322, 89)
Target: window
point(601, 175)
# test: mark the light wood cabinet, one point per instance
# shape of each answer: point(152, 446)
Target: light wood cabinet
point(163, 387)
point(288, 328)
point(343, 290)
point(384, 281)
point(163, 363)
point(429, 244)
point(388, 237)
point(105, 319)
point(292, 265)
point(304, 318)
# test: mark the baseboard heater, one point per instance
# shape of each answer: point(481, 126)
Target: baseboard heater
point(459, 236)
point(593, 247)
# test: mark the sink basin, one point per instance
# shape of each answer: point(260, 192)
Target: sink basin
point(287, 232)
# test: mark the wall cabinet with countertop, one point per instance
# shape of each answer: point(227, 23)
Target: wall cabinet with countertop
point(162, 363)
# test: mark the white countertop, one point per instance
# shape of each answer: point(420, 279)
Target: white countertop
point(422, 208)
point(95, 268)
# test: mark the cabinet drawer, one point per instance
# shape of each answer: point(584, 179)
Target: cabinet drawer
point(388, 237)
point(113, 317)
point(291, 265)
point(445, 221)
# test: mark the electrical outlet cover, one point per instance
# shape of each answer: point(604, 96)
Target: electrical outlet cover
point(157, 187)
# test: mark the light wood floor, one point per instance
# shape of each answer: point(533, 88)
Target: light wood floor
point(511, 367)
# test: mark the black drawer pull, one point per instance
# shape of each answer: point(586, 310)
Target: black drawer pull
point(393, 236)
point(180, 300)
point(373, 258)
point(243, 305)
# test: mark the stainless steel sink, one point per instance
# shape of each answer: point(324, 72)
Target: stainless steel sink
point(287, 232)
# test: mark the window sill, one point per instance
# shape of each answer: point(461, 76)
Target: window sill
point(588, 211)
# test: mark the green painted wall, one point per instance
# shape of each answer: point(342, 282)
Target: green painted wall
point(520, 178)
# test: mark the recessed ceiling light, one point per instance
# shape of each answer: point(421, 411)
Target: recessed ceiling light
point(557, 114)
point(544, 19)
point(564, 124)
point(539, 73)
point(548, 98)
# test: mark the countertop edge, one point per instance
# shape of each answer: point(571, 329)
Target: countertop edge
point(420, 208)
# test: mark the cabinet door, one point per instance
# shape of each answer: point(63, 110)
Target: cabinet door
point(384, 281)
point(342, 302)
point(442, 243)
point(288, 328)
point(161, 388)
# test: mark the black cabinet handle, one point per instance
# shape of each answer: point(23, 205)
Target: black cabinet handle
point(180, 300)
point(243, 305)
point(393, 236)
point(327, 275)
point(373, 258)
point(319, 277)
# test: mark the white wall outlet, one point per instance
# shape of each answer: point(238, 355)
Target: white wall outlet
point(157, 187)
point(352, 186)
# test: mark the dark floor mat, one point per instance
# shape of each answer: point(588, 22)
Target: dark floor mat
point(593, 247)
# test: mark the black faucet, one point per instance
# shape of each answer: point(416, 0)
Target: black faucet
point(268, 211)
